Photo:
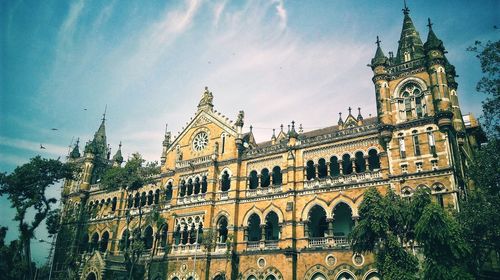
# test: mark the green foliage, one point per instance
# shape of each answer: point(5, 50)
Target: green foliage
point(479, 215)
point(25, 187)
point(11, 265)
point(489, 57)
point(53, 221)
point(441, 239)
point(387, 222)
point(135, 174)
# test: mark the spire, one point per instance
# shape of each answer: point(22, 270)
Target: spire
point(75, 153)
point(118, 158)
point(432, 40)
point(98, 145)
point(292, 133)
point(273, 138)
point(410, 45)
point(168, 135)
point(379, 57)
point(350, 109)
point(360, 117)
point(340, 122)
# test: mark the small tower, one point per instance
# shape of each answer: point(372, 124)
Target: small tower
point(292, 135)
point(410, 45)
point(166, 144)
point(75, 153)
point(118, 158)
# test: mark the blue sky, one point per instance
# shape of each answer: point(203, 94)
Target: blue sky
point(62, 62)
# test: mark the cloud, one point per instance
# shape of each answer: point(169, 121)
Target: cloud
point(27, 145)
point(218, 9)
point(281, 12)
point(67, 29)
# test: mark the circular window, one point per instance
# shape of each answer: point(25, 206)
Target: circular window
point(261, 262)
point(200, 141)
point(358, 259)
point(330, 260)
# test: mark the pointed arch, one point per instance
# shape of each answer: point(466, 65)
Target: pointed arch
point(273, 208)
point(344, 199)
point(253, 210)
point(311, 204)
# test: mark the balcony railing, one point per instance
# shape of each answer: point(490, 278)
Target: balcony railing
point(271, 244)
point(185, 248)
point(191, 198)
point(315, 242)
point(342, 179)
point(192, 162)
point(253, 245)
point(265, 191)
point(221, 247)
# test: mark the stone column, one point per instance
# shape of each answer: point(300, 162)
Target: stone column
point(262, 232)
point(330, 227)
point(306, 229)
point(245, 234)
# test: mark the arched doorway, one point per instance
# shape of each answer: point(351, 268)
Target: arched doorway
point(91, 276)
point(345, 276)
point(318, 276)
point(342, 221)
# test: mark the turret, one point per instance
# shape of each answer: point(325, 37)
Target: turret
point(75, 153)
point(410, 45)
point(292, 135)
point(436, 67)
point(166, 144)
point(118, 158)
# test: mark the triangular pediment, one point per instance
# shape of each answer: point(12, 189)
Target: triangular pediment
point(206, 118)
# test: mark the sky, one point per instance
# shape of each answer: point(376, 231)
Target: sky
point(63, 62)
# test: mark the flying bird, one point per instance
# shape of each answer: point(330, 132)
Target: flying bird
point(54, 129)
point(42, 147)
point(84, 109)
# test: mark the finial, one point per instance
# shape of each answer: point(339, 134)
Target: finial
point(288, 128)
point(359, 110)
point(378, 42)
point(206, 88)
point(281, 127)
point(340, 114)
point(251, 127)
point(429, 24)
point(300, 128)
point(274, 134)
point(350, 110)
point(77, 141)
point(166, 128)
point(104, 115)
point(120, 145)
point(293, 124)
point(406, 10)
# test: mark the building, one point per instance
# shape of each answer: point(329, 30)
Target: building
point(280, 209)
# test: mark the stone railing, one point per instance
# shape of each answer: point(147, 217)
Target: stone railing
point(193, 162)
point(223, 195)
point(342, 179)
point(253, 245)
point(191, 198)
point(264, 191)
point(186, 248)
point(318, 242)
point(271, 244)
point(221, 247)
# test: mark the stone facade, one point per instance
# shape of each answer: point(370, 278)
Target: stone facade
point(282, 209)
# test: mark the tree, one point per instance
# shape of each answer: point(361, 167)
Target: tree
point(489, 57)
point(390, 226)
point(134, 175)
point(444, 247)
point(25, 188)
point(380, 229)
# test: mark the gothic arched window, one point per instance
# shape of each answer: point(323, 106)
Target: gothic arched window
point(411, 102)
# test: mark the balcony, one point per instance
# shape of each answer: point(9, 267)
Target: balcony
point(343, 179)
point(264, 191)
point(185, 248)
point(221, 247)
point(253, 245)
point(322, 242)
point(191, 198)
